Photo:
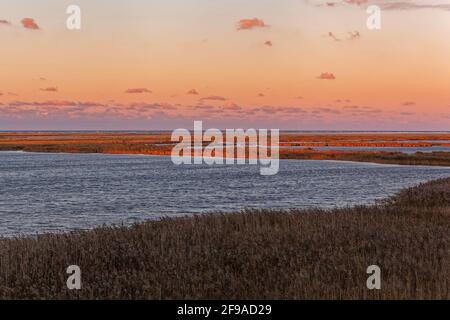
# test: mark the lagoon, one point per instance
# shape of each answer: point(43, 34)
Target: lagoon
point(46, 192)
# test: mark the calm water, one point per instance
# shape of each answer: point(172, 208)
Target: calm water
point(60, 192)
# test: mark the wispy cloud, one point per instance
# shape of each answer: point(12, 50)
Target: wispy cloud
point(386, 4)
point(357, 2)
point(352, 35)
point(214, 98)
point(49, 89)
point(138, 90)
point(412, 5)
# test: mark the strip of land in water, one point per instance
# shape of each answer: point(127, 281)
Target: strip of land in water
point(260, 254)
point(292, 145)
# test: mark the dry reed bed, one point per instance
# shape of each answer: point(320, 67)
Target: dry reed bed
point(301, 254)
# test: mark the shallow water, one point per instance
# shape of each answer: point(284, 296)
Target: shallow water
point(42, 192)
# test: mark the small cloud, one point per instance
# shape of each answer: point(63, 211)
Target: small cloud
point(327, 76)
point(333, 36)
point(4, 22)
point(192, 92)
point(214, 98)
point(268, 109)
point(261, 95)
point(268, 43)
point(357, 110)
point(292, 110)
point(298, 98)
point(247, 24)
point(49, 89)
point(409, 103)
point(326, 110)
point(407, 113)
point(29, 23)
point(232, 107)
point(138, 90)
point(354, 35)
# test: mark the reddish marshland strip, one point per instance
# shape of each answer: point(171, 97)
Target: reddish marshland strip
point(158, 143)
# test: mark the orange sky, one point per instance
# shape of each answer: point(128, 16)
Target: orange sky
point(287, 64)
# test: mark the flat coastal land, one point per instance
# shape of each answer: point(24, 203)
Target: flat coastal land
point(260, 254)
point(293, 145)
point(252, 254)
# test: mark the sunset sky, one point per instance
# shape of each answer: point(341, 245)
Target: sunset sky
point(288, 64)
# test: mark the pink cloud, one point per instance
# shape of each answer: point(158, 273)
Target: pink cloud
point(192, 92)
point(214, 98)
point(4, 22)
point(247, 24)
point(327, 76)
point(29, 23)
point(268, 43)
point(50, 89)
point(138, 90)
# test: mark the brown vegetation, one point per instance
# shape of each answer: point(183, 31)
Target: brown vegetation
point(260, 254)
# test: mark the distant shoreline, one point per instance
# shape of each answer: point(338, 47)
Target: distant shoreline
point(281, 131)
point(295, 145)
